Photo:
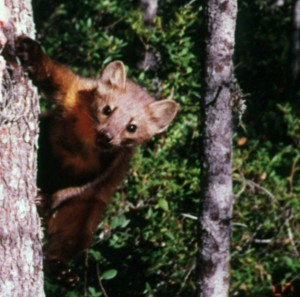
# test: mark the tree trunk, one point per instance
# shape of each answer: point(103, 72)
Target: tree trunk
point(216, 179)
point(149, 8)
point(20, 235)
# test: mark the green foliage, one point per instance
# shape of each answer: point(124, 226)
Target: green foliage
point(147, 243)
point(265, 242)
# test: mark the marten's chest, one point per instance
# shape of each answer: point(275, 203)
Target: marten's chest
point(73, 143)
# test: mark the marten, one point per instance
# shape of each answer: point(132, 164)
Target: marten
point(89, 141)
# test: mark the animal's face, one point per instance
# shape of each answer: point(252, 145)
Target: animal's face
point(124, 114)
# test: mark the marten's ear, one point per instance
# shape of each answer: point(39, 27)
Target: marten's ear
point(161, 114)
point(114, 74)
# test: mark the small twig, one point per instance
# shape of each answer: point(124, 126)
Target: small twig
point(86, 259)
point(252, 183)
point(171, 96)
point(244, 186)
point(100, 281)
point(188, 216)
point(293, 171)
point(291, 235)
point(263, 241)
point(239, 225)
point(186, 278)
point(190, 3)
point(250, 239)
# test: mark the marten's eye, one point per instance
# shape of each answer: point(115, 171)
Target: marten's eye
point(131, 128)
point(106, 110)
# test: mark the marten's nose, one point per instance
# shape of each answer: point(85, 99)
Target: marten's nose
point(103, 138)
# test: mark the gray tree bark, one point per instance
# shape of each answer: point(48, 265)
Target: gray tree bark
point(20, 234)
point(149, 8)
point(216, 152)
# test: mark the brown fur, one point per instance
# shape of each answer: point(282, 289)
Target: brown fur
point(89, 142)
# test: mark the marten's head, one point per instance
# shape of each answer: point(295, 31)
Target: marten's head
point(123, 113)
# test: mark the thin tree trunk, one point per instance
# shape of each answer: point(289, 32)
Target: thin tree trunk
point(216, 179)
point(20, 236)
point(149, 8)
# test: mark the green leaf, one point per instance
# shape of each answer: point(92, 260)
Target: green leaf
point(95, 254)
point(119, 221)
point(163, 204)
point(93, 292)
point(109, 274)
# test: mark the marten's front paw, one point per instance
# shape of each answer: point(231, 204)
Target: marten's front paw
point(29, 53)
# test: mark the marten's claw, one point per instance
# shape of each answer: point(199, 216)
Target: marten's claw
point(29, 52)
